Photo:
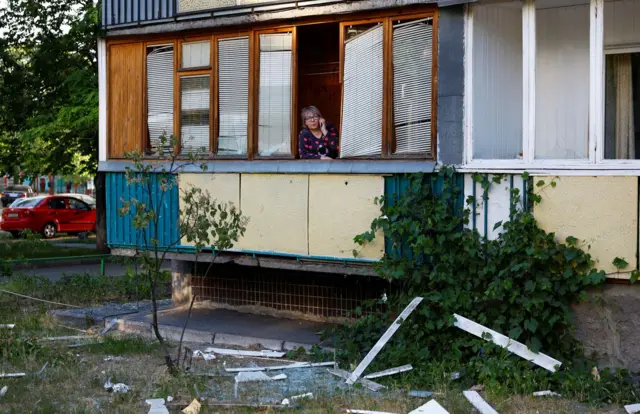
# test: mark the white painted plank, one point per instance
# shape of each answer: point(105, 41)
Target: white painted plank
point(17, 374)
point(632, 408)
point(432, 407)
point(7, 326)
point(511, 345)
point(367, 412)
point(236, 352)
point(280, 367)
point(373, 386)
point(390, 371)
point(383, 340)
point(546, 393)
point(257, 376)
point(479, 403)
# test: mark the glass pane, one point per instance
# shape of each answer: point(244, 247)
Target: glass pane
point(497, 81)
point(562, 81)
point(160, 98)
point(194, 113)
point(233, 95)
point(274, 105)
point(412, 67)
point(196, 54)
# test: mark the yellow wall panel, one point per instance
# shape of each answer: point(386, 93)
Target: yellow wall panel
point(599, 211)
point(222, 187)
point(341, 207)
point(277, 207)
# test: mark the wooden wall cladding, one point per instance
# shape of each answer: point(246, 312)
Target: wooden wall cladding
point(126, 83)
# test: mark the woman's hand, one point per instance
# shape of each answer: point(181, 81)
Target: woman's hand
point(323, 126)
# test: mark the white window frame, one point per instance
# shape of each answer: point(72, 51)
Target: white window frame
point(596, 137)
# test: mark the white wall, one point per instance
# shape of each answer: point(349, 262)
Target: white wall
point(562, 83)
point(497, 81)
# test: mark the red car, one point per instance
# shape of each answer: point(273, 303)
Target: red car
point(49, 215)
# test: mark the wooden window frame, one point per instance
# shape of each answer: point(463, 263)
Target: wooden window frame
point(256, 93)
point(388, 134)
point(215, 92)
point(253, 32)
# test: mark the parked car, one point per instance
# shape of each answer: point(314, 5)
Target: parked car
point(14, 192)
point(49, 215)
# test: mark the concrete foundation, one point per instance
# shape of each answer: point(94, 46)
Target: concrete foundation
point(608, 326)
point(181, 272)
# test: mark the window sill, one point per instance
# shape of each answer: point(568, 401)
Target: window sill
point(585, 168)
point(290, 166)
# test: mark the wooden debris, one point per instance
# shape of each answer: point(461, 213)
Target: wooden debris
point(65, 338)
point(373, 386)
point(42, 369)
point(632, 408)
point(109, 326)
point(511, 345)
point(241, 353)
point(367, 412)
point(7, 325)
point(383, 340)
point(14, 375)
point(479, 403)
point(390, 371)
point(281, 367)
point(3, 391)
point(545, 393)
point(432, 407)
point(257, 376)
point(193, 408)
point(287, 401)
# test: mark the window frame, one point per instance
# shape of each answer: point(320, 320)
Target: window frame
point(255, 57)
point(596, 160)
point(253, 33)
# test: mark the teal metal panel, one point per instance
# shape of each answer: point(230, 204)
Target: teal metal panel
point(396, 186)
point(120, 230)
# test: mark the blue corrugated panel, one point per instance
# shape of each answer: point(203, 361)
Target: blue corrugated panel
point(120, 230)
point(395, 186)
point(118, 12)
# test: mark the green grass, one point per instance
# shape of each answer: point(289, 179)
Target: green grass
point(29, 249)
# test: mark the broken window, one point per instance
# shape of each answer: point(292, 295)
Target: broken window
point(233, 95)
point(412, 71)
point(194, 113)
point(362, 92)
point(159, 97)
point(274, 94)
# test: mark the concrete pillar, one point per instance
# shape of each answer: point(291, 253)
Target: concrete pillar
point(181, 271)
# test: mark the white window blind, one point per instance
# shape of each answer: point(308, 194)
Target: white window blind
point(274, 102)
point(196, 54)
point(412, 64)
point(194, 113)
point(233, 95)
point(160, 95)
point(362, 96)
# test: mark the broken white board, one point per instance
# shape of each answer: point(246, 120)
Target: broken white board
point(367, 412)
point(373, 386)
point(383, 340)
point(432, 407)
point(7, 325)
point(257, 376)
point(390, 371)
point(546, 393)
point(109, 326)
point(17, 374)
point(207, 356)
point(236, 352)
point(157, 406)
point(632, 408)
point(280, 367)
point(479, 403)
point(513, 346)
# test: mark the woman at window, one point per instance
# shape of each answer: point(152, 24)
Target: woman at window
point(318, 139)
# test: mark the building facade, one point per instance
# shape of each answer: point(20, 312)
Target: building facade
point(549, 87)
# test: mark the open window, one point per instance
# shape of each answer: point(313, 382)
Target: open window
point(160, 98)
point(233, 96)
point(412, 86)
point(362, 100)
point(275, 90)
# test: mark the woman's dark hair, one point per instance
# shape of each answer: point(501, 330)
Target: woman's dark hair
point(309, 110)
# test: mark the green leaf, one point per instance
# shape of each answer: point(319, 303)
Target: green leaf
point(515, 333)
point(634, 277)
point(620, 263)
point(540, 183)
point(571, 241)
